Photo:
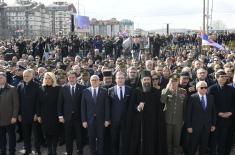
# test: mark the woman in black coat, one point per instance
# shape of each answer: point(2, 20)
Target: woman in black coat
point(47, 111)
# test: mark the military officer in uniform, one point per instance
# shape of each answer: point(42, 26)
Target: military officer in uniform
point(174, 99)
point(84, 79)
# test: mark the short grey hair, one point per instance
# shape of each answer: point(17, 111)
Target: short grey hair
point(201, 83)
point(94, 77)
point(31, 71)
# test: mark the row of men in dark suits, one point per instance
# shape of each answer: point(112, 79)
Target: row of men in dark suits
point(78, 107)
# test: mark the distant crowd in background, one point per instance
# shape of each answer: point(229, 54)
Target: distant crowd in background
point(124, 95)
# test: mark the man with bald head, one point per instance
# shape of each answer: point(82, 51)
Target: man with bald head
point(95, 110)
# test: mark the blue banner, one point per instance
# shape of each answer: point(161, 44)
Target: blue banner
point(81, 21)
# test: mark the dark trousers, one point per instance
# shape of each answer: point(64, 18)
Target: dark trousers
point(52, 144)
point(28, 129)
point(10, 130)
point(224, 136)
point(61, 137)
point(19, 130)
point(96, 131)
point(73, 130)
point(107, 141)
point(118, 139)
point(199, 141)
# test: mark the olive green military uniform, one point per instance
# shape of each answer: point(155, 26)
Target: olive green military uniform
point(174, 111)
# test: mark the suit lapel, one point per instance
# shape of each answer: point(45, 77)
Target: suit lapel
point(97, 96)
point(68, 89)
point(115, 92)
point(126, 94)
point(90, 90)
point(207, 101)
point(199, 101)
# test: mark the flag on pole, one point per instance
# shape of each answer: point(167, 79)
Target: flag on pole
point(209, 42)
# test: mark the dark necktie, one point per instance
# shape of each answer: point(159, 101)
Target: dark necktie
point(121, 94)
point(72, 93)
point(94, 94)
point(203, 102)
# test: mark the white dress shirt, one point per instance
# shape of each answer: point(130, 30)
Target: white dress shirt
point(92, 90)
point(72, 87)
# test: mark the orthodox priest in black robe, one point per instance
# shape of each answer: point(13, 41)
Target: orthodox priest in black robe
point(147, 124)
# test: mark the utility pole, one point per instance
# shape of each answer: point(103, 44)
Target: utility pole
point(207, 16)
point(211, 17)
point(167, 29)
point(204, 17)
point(78, 8)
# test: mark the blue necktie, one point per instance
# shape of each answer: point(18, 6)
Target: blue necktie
point(203, 102)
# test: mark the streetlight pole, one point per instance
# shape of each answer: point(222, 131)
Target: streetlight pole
point(207, 16)
point(204, 17)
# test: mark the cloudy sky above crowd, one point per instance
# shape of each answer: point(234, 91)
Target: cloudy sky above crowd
point(154, 14)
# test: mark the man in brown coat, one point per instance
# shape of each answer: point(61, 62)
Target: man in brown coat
point(9, 106)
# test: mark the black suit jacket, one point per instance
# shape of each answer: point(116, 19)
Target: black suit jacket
point(28, 99)
point(100, 108)
point(68, 104)
point(197, 117)
point(119, 107)
point(224, 101)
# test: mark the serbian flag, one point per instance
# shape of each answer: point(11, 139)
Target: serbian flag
point(209, 42)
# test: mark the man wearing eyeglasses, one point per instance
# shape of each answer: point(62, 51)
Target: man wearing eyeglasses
point(200, 119)
point(224, 105)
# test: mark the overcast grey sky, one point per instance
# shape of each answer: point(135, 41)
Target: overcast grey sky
point(154, 14)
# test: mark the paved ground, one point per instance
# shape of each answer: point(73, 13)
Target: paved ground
point(60, 150)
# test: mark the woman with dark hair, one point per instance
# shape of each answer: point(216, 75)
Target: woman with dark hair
point(47, 111)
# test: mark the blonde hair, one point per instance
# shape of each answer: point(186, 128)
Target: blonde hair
point(52, 75)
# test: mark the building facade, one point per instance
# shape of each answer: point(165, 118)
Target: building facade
point(31, 19)
point(110, 27)
point(3, 24)
point(60, 17)
point(27, 18)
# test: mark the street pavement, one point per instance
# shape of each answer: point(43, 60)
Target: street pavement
point(61, 150)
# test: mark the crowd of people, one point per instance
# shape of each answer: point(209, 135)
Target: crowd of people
point(156, 95)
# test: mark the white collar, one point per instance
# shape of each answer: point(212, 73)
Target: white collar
point(94, 88)
point(121, 87)
point(202, 95)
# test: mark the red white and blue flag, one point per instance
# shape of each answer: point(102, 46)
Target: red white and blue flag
point(209, 42)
